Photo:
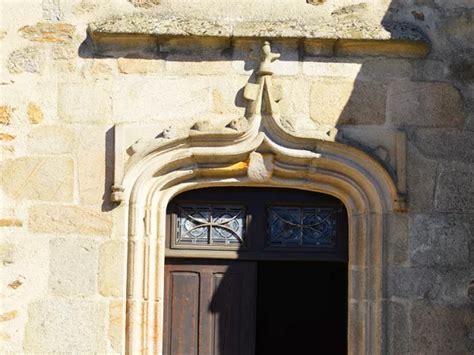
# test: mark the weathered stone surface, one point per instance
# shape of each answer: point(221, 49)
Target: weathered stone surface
point(455, 188)
point(377, 141)
point(462, 70)
point(69, 220)
point(386, 68)
point(64, 51)
point(430, 283)
point(227, 96)
point(439, 240)
point(294, 104)
point(329, 68)
point(64, 67)
point(51, 140)
point(6, 253)
point(315, 2)
point(260, 167)
point(405, 282)
point(112, 268)
point(397, 328)
point(397, 238)
point(160, 98)
point(17, 283)
point(344, 102)
point(7, 151)
point(447, 144)
point(5, 114)
point(38, 178)
point(428, 70)
point(62, 325)
point(421, 177)
point(93, 142)
point(440, 329)
point(324, 48)
point(51, 10)
point(28, 59)
point(196, 65)
point(48, 32)
point(397, 49)
point(35, 114)
point(4, 317)
point(24, 260)
point(99, 69)
point(117, 325)
point(140, 66)
point(85, 102)
point(424, 104)
point(146, 4)
point(314, 26)
point(11, 222)
point(73, 267)
point(6, 137)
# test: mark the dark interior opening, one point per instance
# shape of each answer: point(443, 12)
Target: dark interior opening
point(301, 308)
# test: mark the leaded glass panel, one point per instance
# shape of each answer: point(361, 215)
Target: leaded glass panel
point(210, 225)
point(301, 227)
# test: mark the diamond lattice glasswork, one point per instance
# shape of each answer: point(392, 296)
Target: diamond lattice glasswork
point(302, 227)
point(207, 225)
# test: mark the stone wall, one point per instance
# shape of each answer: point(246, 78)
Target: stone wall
point(63, 248)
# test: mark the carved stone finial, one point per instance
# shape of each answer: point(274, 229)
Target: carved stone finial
point(267, 58)
point(261, 95)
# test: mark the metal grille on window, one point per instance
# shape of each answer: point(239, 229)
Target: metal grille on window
point(210, 225)
point(302, 226)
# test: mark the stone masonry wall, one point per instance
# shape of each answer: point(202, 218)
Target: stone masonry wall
point(62, 249)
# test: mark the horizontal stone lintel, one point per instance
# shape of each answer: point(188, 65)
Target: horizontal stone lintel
point(142, 33)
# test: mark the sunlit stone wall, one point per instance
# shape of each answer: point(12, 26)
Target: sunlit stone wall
point(63, 251)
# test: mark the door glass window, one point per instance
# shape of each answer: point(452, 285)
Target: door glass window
point(210, 225)
point(257, 223)
point(301, 227)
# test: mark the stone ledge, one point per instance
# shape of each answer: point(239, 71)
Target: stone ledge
point(138, 29)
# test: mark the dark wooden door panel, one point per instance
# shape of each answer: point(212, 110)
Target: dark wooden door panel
point(210, 308)
point(183, 312)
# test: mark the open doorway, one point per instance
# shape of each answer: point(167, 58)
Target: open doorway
point(301, 307)
point(256, 271)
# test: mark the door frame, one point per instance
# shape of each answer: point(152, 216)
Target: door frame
point(368, 207)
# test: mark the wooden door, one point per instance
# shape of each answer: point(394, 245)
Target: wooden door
point(209, 307)
point(295, 241)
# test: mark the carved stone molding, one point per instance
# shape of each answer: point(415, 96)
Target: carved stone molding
point(258, 151)
point(353, 30)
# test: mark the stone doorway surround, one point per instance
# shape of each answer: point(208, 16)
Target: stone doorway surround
point(256, 150)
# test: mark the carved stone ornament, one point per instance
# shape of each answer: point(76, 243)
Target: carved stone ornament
point(256, 150)
point(224, 144)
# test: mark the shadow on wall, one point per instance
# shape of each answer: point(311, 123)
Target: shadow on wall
point(368, 91)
